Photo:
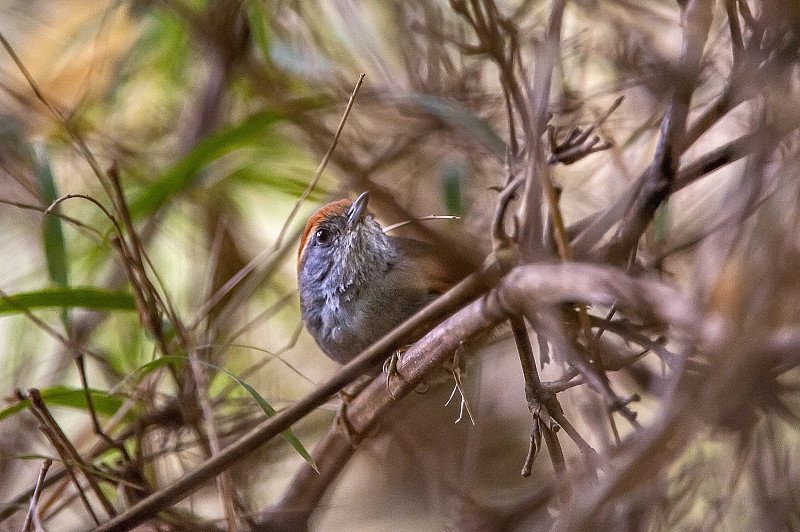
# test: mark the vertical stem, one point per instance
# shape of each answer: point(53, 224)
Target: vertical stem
point(72, 453)
point(36, 494)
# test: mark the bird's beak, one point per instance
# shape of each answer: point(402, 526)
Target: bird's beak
point(358, 210)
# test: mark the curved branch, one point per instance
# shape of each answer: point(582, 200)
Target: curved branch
point(525, 289)
point(526, 286)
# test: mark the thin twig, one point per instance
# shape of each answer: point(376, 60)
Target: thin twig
point(591, 229)
point(321, 167)
point(54, 440)
point(73, 221)
point(36, 494)
point(71, 453)
point(577, 145)
point(250, 266)
point(550, 436)
point(96, 428)
point(50, 209)
point(224, 485)
point(538, 180)
point(696, 20)
point(398, 225)
point(82, 147)
point(163, 416)
point(269, 260)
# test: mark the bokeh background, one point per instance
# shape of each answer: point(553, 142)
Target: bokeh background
point(215, 116)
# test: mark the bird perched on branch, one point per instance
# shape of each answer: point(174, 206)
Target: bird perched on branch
point(356, 282)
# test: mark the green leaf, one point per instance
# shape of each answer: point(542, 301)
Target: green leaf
point(453, 179)
point(103, 403)
point(287, 434)
point(262, 175)
point(257, 18)
point(54, 246)
point(91, 298)
point(181, 175)
point(140, 372)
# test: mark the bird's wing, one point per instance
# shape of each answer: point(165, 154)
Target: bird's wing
point(440, 275)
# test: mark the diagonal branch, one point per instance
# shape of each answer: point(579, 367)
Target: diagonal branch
point(657, 184)
point(525, 289)
point(468, 289)
point(538, 179)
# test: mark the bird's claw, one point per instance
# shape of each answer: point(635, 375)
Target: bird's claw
point(341, 418)
point(390, 368)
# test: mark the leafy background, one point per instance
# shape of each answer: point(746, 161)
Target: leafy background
point(215, 116)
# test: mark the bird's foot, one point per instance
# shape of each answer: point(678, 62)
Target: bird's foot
point(341, 414)
point(390, 368)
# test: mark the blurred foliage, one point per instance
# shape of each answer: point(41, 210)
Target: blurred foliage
point(215, 115)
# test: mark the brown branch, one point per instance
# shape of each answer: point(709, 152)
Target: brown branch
point(497, 38)
point(577, 144)
point(528, 236)
point(592, 228)
point(273, 257)
point(525, 289)
point(696, 20)
point(538, 181)
point(36, 494)
point(132, 253)
point(590, 367)
point(534, 286)
point(50, 209)
point(372, 357)
point(225, 487)
point(737, 42)
point(164, 416)
point(61, 442)
point(72, 221)
point(96, 428)
point(626, 332)
point(539, 398)
point(308, 486)
point(54, 441)
point(322, 165)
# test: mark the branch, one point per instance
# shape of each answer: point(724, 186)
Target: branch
point(321, 167)
point(538, 179)
point(29, 517)
point(577, 144)
point(657, 185)
point(525, 290)
point(371, 357)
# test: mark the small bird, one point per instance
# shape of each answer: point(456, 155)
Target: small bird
point(356, 282)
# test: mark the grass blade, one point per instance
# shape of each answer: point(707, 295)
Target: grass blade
point(68, 297)
point(180, 176)
point(103, 403)
point(288, 434)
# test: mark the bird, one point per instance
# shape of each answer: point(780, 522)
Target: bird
point(357, 283)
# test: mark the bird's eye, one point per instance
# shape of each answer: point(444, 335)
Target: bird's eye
point(323, 236)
